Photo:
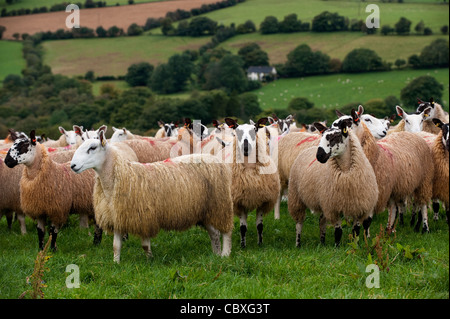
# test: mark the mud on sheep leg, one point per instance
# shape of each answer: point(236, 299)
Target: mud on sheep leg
point(53, 231)
point(214, 235)
point(41, 232)
point(117, 246)
point(145, 243)
point(436, 207)
point(337, 234)
point(243, 228)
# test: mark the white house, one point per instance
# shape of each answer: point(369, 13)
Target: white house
point(257, 73)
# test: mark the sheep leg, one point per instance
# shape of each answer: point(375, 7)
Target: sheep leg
point(98, 235)
point(401, 210)
point(276, 210)
point(226, 251)
point(23, 227)
point(214, 235)
point(9, 219)
point(356, 228)
point(436, 207)
point(145, 243)
point(425, 228)
point(323, 228)
point(366, 225)
point(53, 231)
point(259, 226)
point(337, 233)
point(41, 232)
point(117, 246)
point(413, 217)
point(392, 214)
point(84, 221)
point(243, 228)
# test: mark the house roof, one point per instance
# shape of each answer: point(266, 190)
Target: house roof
point(260, 69)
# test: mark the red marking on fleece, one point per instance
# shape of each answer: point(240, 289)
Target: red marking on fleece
point(391, 156)
point(308, 139)
point(51, 149)
point(312, 162)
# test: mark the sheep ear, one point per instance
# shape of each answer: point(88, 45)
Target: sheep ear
point(355, 116)
point(78, 130)
point(426, 112)
point(114, 129)
point(252, 123)
point(261, 123)
point(161, 123)
point(33, 137)
point(62, 130)
point(103, 128)
point(438, 122)
point(432, 101)
point(216, 123)
point(360, 110)
point(344, 128)
point(339, 113)
point(419, 101)
point(320, 127)
point(102, 137)
point(400, 112)
point(13, 134)
point(231, 123)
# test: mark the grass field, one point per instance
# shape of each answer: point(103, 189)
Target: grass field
point(113, 56)
point(332, 91)
point(183, 265)
point(433, 13)
point(11, 61)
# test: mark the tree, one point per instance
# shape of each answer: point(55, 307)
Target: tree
point(247, 27)
point(134, 29)
point(444, 30)
point(399, 63)
point(2, 29)
point(181, 68)
point(362, 60)
point(299, 103)
point(386, 29)
point(303, 61)
point(202, 26)
point(101, 32)
point(290, 24)
point(138, 74)
point(253, 55)
point(435, 55)
point(403, 26)
point(414, 61)
point(89, 76)
point(166, 27)
point(419, 87)
point(328, 22)
point(269, 25)
point(227, 73)
point(419, 27)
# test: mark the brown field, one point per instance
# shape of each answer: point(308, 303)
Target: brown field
point(121, 16)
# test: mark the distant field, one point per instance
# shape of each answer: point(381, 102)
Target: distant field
point(113, 56)
point(433, 13)
point(333, 91)
point(31, 4)
point(336, 45)
point(11, 61)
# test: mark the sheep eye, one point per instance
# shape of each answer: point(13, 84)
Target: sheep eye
point(407, 121)
point(91, 148)
point(368, 120)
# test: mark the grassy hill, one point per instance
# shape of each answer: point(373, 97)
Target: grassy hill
point(11, 61)
point(333, 91)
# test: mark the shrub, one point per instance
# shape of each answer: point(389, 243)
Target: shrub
point(303, 61)
point(444, 29)
point(253, 55)
point(435, 55)
point(422, 86)
point(290, 24)
point(362, 60)
point(403, 26)
point(386, 29)
point(202, 26)
point(328, 22)
point(269, 25)
point(134, 30)
point(247, 27)
point(139, 74)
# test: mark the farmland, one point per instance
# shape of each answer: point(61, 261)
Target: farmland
point(11, 61)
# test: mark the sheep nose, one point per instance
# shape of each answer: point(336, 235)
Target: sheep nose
point(384, 132)
point(73, 166)
point(322, 156)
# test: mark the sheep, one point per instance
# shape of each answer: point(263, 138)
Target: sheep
point(335, 179)
point(397, 161)
point(10, 195)
point(436, 112)
point(190, 138)
point(48, 189)
point(67, 138)
point(282, 125)
point(88, 134)
point(167, 129)
point(255, 180)
point(190, 190)
point(149, 151)
point(288, 149)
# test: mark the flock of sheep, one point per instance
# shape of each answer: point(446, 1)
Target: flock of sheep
point(194, 175)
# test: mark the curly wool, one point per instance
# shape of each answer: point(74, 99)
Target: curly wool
point(149, 150)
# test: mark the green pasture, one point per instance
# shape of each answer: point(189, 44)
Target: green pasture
point(334, 91)
point(184, 266)
point(11, 61)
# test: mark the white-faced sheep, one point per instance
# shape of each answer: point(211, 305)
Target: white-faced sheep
point(397, 161)
point(167, 129)
point(255, 180)
point(141, 199)
point(437, 112)
point(48, 189)
point(67, 138)
point(334, 179)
